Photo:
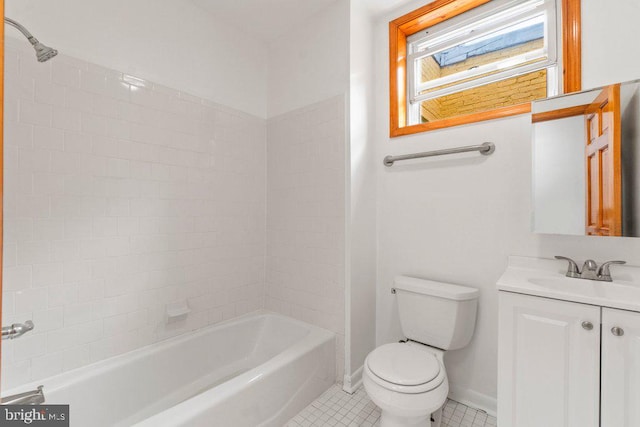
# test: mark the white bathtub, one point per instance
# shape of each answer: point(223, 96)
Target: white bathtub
point(258, 370)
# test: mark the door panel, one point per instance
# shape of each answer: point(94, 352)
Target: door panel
point(549, 364)
point(620, 369)
point(603, 168)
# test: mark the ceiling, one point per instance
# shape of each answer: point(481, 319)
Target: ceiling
point(269, 19)
point(265, 19)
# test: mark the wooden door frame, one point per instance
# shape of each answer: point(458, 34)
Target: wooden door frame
point(1, 162)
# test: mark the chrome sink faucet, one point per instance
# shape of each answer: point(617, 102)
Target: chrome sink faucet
point(590, 269)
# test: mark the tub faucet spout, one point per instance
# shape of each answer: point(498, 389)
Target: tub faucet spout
point(33, 397)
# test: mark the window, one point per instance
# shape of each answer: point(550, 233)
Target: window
point(450, 67)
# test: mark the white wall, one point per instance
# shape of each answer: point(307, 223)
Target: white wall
point(176, 44)
point(457, 219)
point(311, 62)
point(361, 235)
point(606, 47)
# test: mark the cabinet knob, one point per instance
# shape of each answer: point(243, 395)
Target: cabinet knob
point(618, 332)
point(587, 325)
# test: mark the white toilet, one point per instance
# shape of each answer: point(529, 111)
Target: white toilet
point(408, 380)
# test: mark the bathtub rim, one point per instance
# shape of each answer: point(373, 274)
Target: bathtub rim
point(317, 337)
point(73, 376)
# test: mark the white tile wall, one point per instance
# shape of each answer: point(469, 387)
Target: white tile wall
point(122, 196)
point(306, 217)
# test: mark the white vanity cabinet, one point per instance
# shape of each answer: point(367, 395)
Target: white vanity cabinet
point(567, 364)
point(548, 362)
point(568, 348)
point(620, 368)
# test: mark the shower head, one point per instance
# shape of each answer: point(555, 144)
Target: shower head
point(43, 52)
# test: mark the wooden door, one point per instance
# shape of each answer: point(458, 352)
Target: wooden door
point(604, 167)
point(620, 368)
point(548, 362)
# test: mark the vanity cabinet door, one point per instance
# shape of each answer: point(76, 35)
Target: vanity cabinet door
point(548, 362)
point(620, 368)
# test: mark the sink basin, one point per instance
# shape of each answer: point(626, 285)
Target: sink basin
point(545, 278)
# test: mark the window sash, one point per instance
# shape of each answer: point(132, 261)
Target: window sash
point(443, 37)
point(486, 18)
point(468, 76)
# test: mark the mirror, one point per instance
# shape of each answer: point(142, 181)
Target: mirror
point(586, 162)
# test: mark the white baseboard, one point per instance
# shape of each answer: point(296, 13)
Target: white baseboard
point(474, 399)
point(353, 382)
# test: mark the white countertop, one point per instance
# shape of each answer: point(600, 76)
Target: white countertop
point(546, 278)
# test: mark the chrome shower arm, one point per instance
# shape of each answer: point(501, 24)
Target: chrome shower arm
point(22, 29)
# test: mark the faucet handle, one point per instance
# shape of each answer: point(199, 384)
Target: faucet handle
point(604, 273)
point(589, 265)
point(573, 270)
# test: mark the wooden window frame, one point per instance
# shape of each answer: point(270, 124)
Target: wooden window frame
point(442, 10)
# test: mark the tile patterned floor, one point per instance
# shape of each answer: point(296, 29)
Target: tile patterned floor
point(337, 408)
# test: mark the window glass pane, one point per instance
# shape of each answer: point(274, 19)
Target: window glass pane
point(512, 91)
point(503, 49)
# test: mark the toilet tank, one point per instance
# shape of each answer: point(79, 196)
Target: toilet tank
point(437, 314)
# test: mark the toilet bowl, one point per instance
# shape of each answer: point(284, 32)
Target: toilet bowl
point(408, 380)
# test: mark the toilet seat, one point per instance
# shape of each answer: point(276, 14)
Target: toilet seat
point(405, 368)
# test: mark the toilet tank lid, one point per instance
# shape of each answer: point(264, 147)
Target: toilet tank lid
point(436, 289)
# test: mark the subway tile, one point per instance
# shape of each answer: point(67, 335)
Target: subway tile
point(75, 357)
point(78, 100)
point(34, 160)
point(17, 134)
point(116, 208)
point(48, 229)
point(23, 87)
point(48, 184)
point(67, 119)
point(46, 138)
point(104, 227)
point(48, 93)
point(29, 300)
point(59, 296)
point(29, 347)
point(34, 252)
point(65, 74)
point(104, 146)
point(17, 230)
point(93, 81)
point(118, 168)
point(75, 314)
point(93, 124)
point(36, 70)
point(47, 275)
point(46, 365)
point(77, 271)
point(48, 320)
point(75, 142)
point(104, 106)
